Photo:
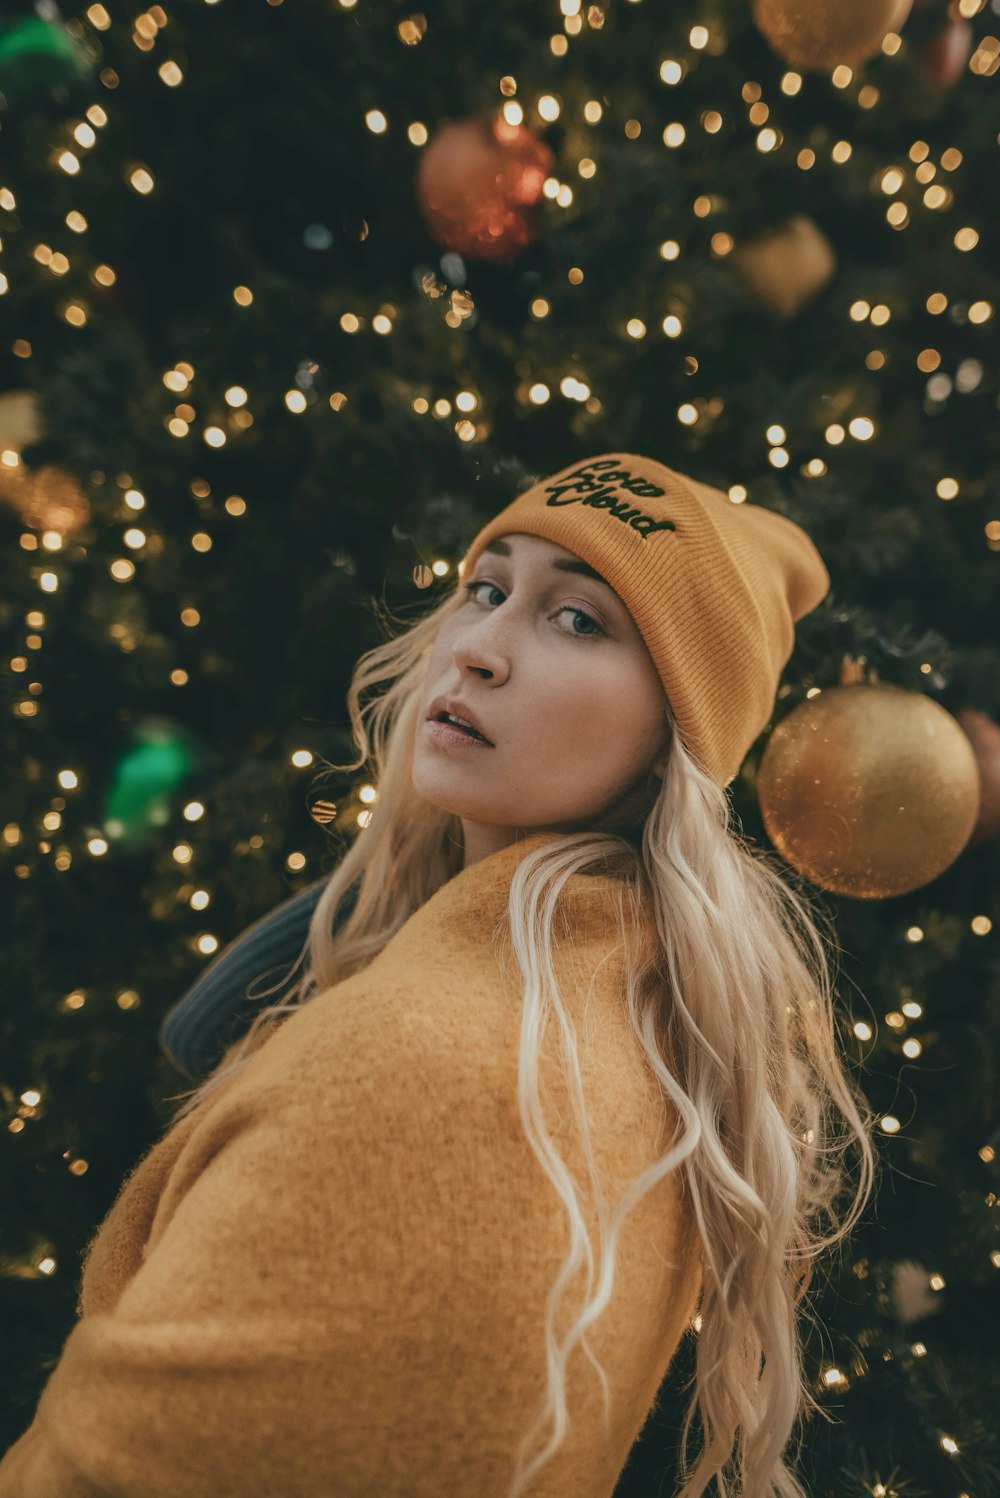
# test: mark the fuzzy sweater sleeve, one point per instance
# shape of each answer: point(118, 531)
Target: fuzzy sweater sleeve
point(240, 1353)
point(336, 1282)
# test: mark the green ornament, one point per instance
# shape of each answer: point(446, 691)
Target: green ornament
point(140, 797)
point(38, 56)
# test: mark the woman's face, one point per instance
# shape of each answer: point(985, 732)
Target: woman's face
point(551, 667)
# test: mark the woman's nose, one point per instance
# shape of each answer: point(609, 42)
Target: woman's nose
point(481, 649)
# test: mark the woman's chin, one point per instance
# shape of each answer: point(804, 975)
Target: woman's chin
point(442, 792)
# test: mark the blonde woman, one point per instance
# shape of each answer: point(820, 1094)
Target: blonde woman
point(561, 1088)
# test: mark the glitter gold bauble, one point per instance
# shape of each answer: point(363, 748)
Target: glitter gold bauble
point(478, 184)
point(786, 266)
point(869, 790)
point(817, 35)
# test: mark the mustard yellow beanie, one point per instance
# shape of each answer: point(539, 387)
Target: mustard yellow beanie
point(714, 587)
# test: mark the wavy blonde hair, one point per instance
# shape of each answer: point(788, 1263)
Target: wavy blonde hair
point(738, 997)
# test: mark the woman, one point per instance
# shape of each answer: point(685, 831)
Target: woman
point(558, 1089)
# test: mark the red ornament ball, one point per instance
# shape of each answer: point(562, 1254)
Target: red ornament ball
point(943, 58)
point(478, 184)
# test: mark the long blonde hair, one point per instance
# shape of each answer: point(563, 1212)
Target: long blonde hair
point(738, 996)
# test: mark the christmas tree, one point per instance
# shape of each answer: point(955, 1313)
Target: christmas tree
point(293, 296)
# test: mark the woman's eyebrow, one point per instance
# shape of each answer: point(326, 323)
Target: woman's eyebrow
point(564, 564)
point(567, 564)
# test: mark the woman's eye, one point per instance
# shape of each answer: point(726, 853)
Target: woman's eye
point(481, 583)
point(593, 628)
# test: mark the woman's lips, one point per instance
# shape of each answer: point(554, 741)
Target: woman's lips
point(450, 737)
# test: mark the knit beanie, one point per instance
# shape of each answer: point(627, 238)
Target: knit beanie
point(714, 587)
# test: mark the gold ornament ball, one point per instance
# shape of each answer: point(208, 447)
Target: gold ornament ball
point(477, 186)
point(818, 35)
point(869, 790)
point(787, 266)
point(45, 499)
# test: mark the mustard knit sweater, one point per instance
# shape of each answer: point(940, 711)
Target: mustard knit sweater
point(330, 1279)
